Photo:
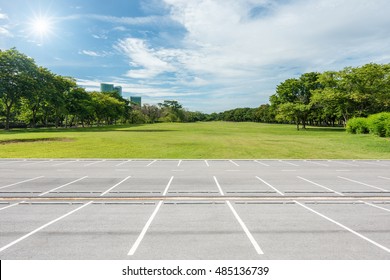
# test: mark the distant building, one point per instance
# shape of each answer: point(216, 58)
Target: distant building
point(118, 89)
point(136, 100)
point(110, 88)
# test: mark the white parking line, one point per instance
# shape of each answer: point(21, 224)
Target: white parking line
point(313, 162)
point(144, 230)
point(370, 204)
point(376, 206)
point(36, 162)
point(246, 230)
point(119, 164)
point(218, 185)
point(151, 163)
point(95, 162)
point(134, 248)
point(236, 164)
point(345, 227)
point(373, 163)
point(3, 187)
point(345, 163)
point(179, 163)
point(43, 227)
point(364, 184)
point(12, 205)
point(293, 164)
point(52, 190)
point(321, 186)
point(242, 224)
point(168, 185)
point(386, 178)
point(261, 163)
point(66, 162)
point(110, 189)
point(269, 185)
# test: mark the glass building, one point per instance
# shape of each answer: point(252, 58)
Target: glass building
point(110, 88)
point(136, 100)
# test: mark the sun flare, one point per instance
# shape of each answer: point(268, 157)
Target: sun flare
point(41, 27)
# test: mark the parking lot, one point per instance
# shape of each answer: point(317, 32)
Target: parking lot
point(194, 209)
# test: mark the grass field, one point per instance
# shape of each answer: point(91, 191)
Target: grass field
point(193, 141)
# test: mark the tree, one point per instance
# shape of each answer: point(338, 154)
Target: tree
point(16, 72)
point(296, 95)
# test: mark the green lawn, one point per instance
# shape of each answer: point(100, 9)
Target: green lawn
point(193, 141)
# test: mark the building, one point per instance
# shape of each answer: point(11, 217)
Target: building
point(110, 88)
point(137, 100)
point(118, 89)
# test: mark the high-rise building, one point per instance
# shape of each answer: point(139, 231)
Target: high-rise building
point(110, 88)
point(106, 87)
point(118, 89)
point(137, 100)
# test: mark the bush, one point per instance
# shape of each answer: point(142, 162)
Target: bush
point(358, 126)
point(379, 124)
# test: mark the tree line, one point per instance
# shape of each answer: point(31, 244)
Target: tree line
point(33, 96)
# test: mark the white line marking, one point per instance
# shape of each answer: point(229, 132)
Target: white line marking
point(167, 187)
point(43, 227)
point(66, 162)
point(321, 186)
point(345, 163)
point(52, 190)
point(261, 163)
point(372, 163)
point(21, 182)
point(293, 164)
point(279, 192)
point(95, 162)
point(207, 163)
point(36, 162)
point(219, 187)
point(12, 205)
point(289, 170)
point(179, 163)
point(376, 206)
point(343, 170)
point(110, 189)
point(151, 163)
point(344, 227)
point(364, 184)
point(236, 164)
point(144, 230)
point(149, 222)
point(321, 164)
point(384, 177)
point(119, 164)
point(246, 230)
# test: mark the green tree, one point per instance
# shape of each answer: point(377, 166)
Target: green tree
point(16, 72)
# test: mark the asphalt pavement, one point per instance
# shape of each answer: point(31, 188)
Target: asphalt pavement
point(75, 209)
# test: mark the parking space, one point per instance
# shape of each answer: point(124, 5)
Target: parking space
point(194, 209)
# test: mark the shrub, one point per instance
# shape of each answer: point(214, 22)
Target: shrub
point(379, 124)
point(357, 125)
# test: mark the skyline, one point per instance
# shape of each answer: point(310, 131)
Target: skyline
point(210, 56)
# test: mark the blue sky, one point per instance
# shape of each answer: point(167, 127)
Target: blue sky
point(210, 55)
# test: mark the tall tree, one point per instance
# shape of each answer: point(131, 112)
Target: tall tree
point(16, 72)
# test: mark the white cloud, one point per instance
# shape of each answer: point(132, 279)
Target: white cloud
point(146, 61)
point(234, 53)
point(94, 53)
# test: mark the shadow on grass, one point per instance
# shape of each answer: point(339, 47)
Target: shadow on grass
point(325, 129)
point(119, 128)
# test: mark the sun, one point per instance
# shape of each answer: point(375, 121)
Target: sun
point(41, 27)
